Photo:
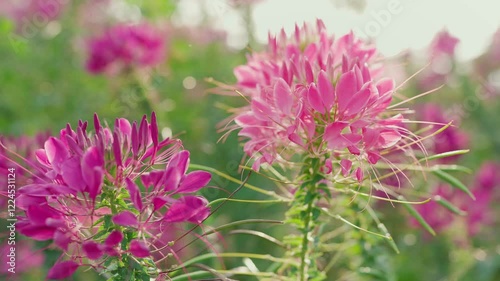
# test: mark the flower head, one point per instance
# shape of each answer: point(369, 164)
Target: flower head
point(110, 192)
point(441, 58)
point(323, 96)
point(126, 46)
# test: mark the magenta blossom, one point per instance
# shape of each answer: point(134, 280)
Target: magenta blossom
point(126, 46)
point(450, 139)
point(478, 213)
point(94, 187)
point(318, 95)
point(441, 58)
point(31, 15)
point(26, 259)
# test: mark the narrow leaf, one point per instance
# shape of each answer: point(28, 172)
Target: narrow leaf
point(419, 218)
point(453, 182)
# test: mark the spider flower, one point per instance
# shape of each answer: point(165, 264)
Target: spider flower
point(126, 46)
point(442, 59)
point(109, 192)
point(319, 95)
point(450, 139)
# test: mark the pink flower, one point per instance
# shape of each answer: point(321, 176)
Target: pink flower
point(441, 58)
point(450, 139)
point(444, 44)
point(111, 180)
point(434, 214)
point(28, 14)
point(126, 46)
point(313, 94)
point(495, 47)
point(27, 257)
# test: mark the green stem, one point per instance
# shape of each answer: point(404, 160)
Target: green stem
point(304, 255)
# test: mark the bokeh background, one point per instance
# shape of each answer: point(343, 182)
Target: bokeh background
point(46, 81)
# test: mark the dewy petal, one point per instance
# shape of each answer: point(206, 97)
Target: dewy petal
point(326, 91)
point(139, 249)
point(62, 270)
point(283, 96)
point(92, 250)
point(193, 181)
point(126, 218)
point(135, 194)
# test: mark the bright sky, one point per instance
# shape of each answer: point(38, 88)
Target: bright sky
point(394, 24)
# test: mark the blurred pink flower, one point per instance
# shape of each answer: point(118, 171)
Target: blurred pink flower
point(450, 139)
point(441, 59)
point(31, 15)
point(126, 46)
point(434, 214)
point(443, 44)
point(26, 258)
point(495, 47)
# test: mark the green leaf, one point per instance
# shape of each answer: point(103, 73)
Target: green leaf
point(445, 154)
point(448, 205)
point(419, 218)
point(453, 182)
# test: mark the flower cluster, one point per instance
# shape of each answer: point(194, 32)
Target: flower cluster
point(109, 193)
point(317, 94)
point(125, 46)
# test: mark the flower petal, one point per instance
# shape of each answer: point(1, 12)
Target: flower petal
point(92, 250)
point(62, 270)
point(193, 181)
point(139, 249)
point(126, 218)
point(283, 96)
